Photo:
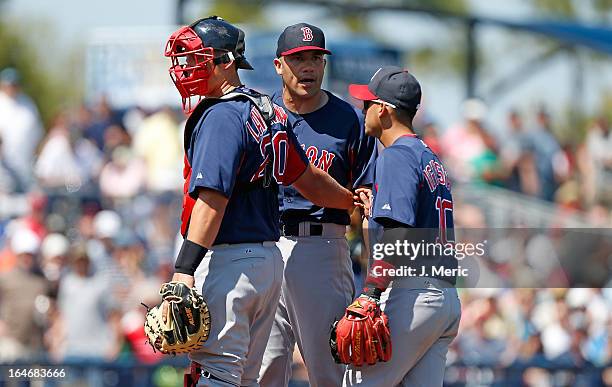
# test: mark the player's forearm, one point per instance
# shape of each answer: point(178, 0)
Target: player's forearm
point(330, 194)
point(365, 233)
point(322, 190)
point(378, 275)
point(206, 217)
point(204, 226)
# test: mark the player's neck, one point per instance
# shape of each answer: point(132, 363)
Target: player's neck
point(300, 105)
point(226, 86)
point(390, 135)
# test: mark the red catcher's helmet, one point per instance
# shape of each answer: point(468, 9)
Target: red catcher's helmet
point(196, 49)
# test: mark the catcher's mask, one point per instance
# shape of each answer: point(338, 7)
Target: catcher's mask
point(196, 49)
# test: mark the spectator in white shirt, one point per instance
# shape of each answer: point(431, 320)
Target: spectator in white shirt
point(20, 125)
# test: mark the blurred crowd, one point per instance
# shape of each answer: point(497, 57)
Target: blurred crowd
point(525, 155)
point(537, 329)
point(89, 214)
point(88, 224)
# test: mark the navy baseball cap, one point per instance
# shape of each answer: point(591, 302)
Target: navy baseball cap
point(301, 37)
point(215, 32)
point(10, 76)
point(393, 85)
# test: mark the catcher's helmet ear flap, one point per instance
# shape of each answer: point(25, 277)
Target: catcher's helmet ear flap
point(221, 35)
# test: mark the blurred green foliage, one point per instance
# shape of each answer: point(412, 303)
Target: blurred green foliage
point(240, 12)
point(17, 50)
point(168, 376)
point(568, 9)
point(564, 8)
point(453, 6)
point(450, 60)
point(253, 11)
point(355, 21)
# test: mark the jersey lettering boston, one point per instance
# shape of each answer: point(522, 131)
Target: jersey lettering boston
point(333, 141)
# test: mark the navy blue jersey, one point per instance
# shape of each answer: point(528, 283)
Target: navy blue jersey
point(227, 154)
point(411, 188)
point(334, 141)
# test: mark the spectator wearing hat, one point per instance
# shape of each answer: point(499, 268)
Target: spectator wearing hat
point(23, 300)
point(20, 125)
point(517, 161)
point(85, 307)
point(54, 250)
point(551, 163)
point(106, 226)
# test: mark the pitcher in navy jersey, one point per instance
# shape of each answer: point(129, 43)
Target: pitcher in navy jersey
point(318, 276)
point(411, 190)
point(237, 152)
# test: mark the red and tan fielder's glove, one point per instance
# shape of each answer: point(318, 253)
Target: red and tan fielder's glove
point(362, 335)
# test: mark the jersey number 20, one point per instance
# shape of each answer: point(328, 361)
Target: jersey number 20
point(280, 144)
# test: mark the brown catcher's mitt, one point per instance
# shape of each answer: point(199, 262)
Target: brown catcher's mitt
point(188, 320)
point(362, 335)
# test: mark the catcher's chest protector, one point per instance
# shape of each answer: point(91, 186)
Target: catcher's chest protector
point(265, 107)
